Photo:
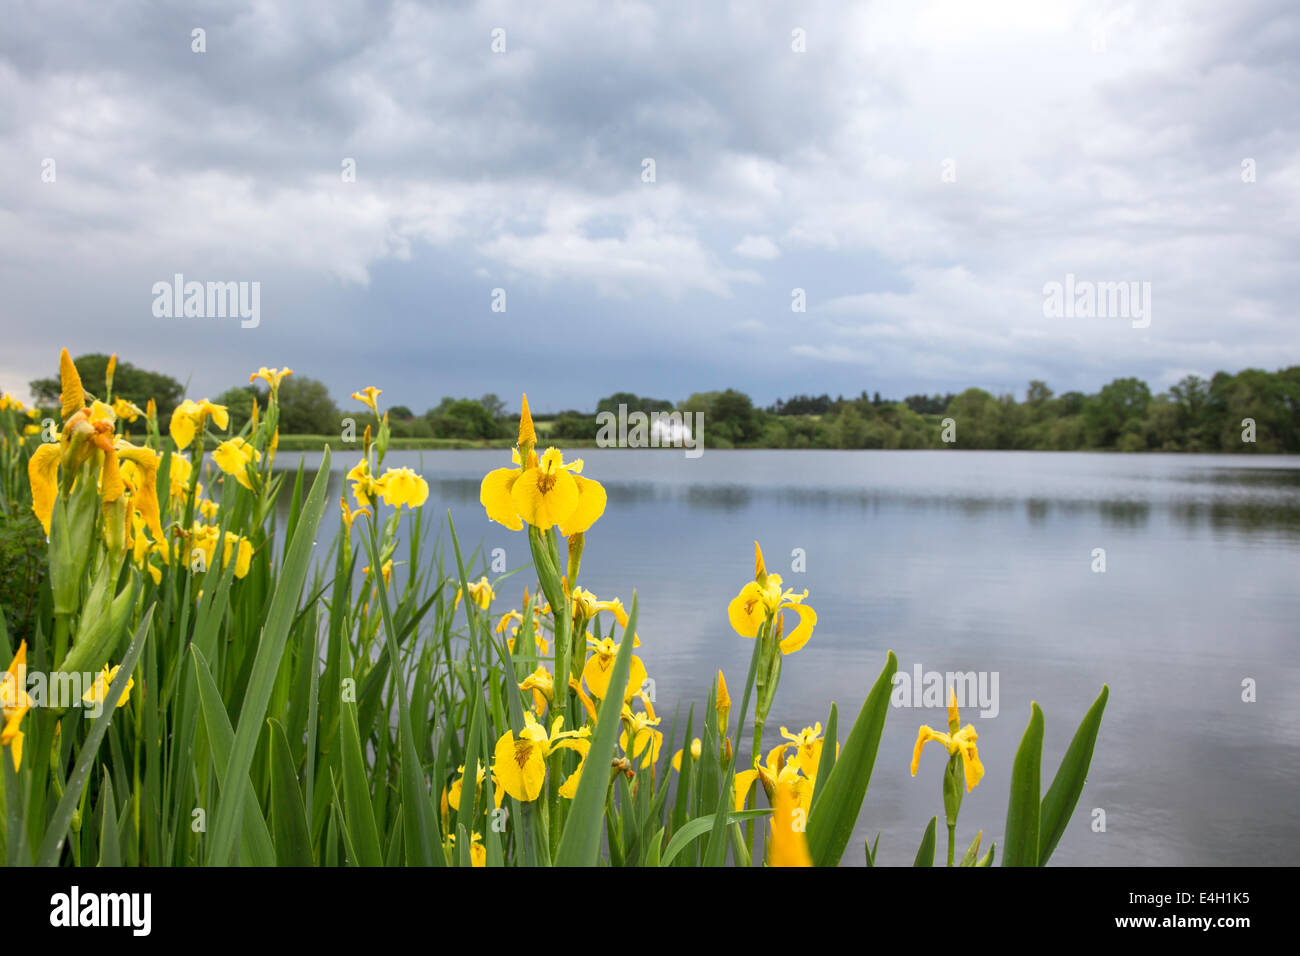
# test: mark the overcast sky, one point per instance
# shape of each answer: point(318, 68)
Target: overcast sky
point(921, 170)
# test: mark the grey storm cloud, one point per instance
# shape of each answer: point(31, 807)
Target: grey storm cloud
point(920, 170)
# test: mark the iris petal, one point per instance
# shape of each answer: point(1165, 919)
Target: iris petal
point(520, 767)
point(494, 495)
point(182, 429)
point(923, 737)
point(799, 636)
point(544, 500)
point(591, 505)
point(746, 611)
point(72, 397)
point(43, 472)
point(146, 493)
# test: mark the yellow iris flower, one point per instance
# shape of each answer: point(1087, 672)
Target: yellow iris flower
point(141, 465)
point(126, 410)
point(233, 456)
point(396, 486)
point(763, 600)
point(542, 491)
point(179, 480)
point(402, 486)
point(349, 515)
point(542, 685)
point(514, 620)
point(586, 606)
point(365, 487)
point(369, 396)
point(205, 538)
point(84, 430)
point(550, 491)
point(480, 592)
point(272, 376)
point(639, 734)
point(142, 548)
point(14, 704)
point(88, 429)
point(807, 745)
point(776, 771)
point(458, 785)
point(600, 667)
point(543, 645)
point(103, 681)
point(961, 741)
point(520, 762)
point(189, 417)
point(477, 851)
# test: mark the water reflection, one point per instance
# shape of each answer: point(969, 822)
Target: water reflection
point(1124, 514)
point(1226, 497)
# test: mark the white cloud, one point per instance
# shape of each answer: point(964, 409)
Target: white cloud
point(644, 258)
point(757, 247)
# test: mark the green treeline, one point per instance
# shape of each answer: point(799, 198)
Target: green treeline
point(1196, 415)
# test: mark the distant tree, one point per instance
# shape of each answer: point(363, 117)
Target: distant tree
point(634, 403)
point(1107, 414)
point(849, 428)
point(1070, 403)
point(493, 405)
point(928, 405)
point(134, 384)
point(801, 405)
point(1038, 393)
point(611, 402)
point(399, 413)
point(1263, 397)
point(729, 415)
point(1067, 434)
point(462, 418)
point(1160, 425)
point(1033, 420)
point(410, 427)
point(306, 407)
point(573, 424)
point(913, 432)
point(979, 419)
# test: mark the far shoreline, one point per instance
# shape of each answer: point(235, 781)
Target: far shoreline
point(317, 443)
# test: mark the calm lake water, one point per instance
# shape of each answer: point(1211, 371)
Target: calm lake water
point(981, 561)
